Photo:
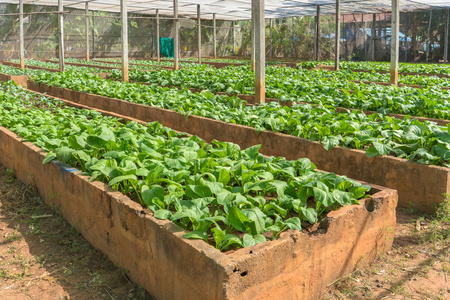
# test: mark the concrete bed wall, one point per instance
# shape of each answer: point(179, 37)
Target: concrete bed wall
point(18, 79)
point(155, 254)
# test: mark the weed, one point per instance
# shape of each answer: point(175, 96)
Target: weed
point(11, 175)
point(12, 236)
point(443, 211)
point(3, 273)
point(12, 249)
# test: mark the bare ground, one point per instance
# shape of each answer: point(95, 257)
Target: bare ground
point(43, 257)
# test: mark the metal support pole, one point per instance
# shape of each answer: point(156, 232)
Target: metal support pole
point(253, 38)
point(364, 36)
point(260, 50)
point(429, 36)
point(87, 30)
point(61, 35)
point(234, 37)
point(270, 32)
point(374, 35)
point(158, 50)
point(447, 20)
point(214, 36)
point(394, 41)
point(124, 34)
point(338, 35)
point(21, 36)
point(317, 55)
point(176, 35)
point(199, 35)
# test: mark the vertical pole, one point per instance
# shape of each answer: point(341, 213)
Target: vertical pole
point(260, 50)
point(234, 37)
point(406, 27)
point(338, 34)
point(318, 33)
point(374, 35)
point(253, 37)
point(93, 33)
point(124, 34)
point(199, 35)
point(364, 36)
point(21, 36)
point(158, 50)
point(447, 20)
point(414, 37)
point(176, 34)
point(214, 36)
point(394, 41)
point(429, 36)
point(61, 35)
point(87, 29)
point(270, 30)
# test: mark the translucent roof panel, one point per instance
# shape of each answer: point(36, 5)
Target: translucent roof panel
point(241, 9)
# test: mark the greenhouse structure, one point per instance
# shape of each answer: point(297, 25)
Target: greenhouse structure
point(224, 149)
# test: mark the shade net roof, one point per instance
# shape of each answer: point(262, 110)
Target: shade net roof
point(241, 9)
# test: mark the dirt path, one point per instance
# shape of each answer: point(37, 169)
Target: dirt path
point(43, 257)
point(417, 267)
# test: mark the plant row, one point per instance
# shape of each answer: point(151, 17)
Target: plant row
point(221, 194)
point(383, 66)
point(376, 134)
point(50, 65)
point(288, 84)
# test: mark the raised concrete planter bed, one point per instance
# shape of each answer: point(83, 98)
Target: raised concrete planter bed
point(134, 64)
point(18, 79)
point(8, 63)
point(252, 101)
point(299, 265)
point(87, 65)
point(420, 184)
point(16, 65)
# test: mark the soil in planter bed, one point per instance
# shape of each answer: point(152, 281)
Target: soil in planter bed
point(44, 257)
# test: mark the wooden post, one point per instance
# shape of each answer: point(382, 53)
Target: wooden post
point(394, 41)
point(338, 35)
point(260, 50)
point(447, 20)
point(214, 36)
point(253, 38)
point(176, 34)
point(158, 50)
point(61, 35)
point(21, 36)
point(270, 37)
point(199, 35)
point(414, 37)
point(429, 36)
point(364, 36)
point(317, 54)
point(87, 29)
point(374, 35)
point(234, 37)
point(124, 35)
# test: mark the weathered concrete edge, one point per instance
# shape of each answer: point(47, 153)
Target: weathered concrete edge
point(157, 256)
point(153, 251)
point(420, 184)
point(348, 238)
point(18, 79)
